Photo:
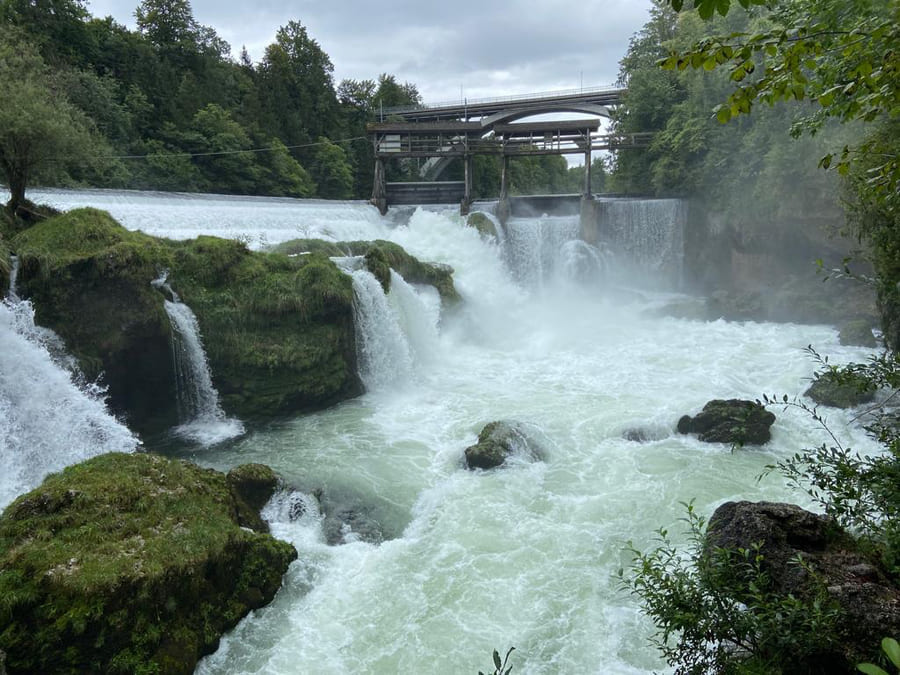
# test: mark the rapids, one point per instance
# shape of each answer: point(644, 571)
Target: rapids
point(525, 556)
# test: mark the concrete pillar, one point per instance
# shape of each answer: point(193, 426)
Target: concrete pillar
point(379, 190)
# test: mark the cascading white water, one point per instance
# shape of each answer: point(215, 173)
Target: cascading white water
point(527, 555)
point(646, 236)
point(382, 348)
point(418, 312)
point(12, 293)
point(198, 401)
point(203, 420)
point(533, 246)
point(48, 419)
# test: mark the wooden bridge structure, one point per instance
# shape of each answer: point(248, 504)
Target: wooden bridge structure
point(443, 132)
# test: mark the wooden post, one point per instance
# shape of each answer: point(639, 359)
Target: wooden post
point(587, 165)
point(379, 191)
point(503, 204)
point(466, 203)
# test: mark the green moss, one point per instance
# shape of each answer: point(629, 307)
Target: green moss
point(383, 256)
point(89, 279)
point(128, 563)
point(301, 246)
point(278, 331)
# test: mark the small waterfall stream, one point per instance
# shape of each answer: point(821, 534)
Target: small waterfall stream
point(204, 421)
point(12, 293)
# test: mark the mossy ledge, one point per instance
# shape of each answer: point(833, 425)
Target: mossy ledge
point(381, 257)
point(129, 564)
point(278, 331)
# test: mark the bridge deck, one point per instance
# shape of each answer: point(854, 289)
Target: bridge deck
point(465, 109)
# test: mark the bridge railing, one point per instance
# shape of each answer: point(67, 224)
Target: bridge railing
point(398, 110)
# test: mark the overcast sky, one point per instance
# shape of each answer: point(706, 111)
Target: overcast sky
point(479, 49)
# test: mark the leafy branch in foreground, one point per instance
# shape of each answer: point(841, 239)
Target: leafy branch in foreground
point(716, 610)
point(500, 667)
point(844, 54)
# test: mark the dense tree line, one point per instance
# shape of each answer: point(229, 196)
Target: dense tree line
point(168, 107)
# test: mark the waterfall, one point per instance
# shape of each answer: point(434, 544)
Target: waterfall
point(381, 346)
point(49, 419)
point(203, 420)
point(646, 236)
point(418, 312)
point(532, 247)
point(12, 294)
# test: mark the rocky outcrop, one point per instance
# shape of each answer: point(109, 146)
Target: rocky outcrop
point(483, 223)
point(278, 330)
point(868, 601)
point(857, 333)
point(731, 421)
point(840, 389)
point(130, 563)
point(498, 441)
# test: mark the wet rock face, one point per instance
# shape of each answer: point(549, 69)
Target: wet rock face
point(498, 441)
point(868, 600)
point(733, 421)
point(857, 333)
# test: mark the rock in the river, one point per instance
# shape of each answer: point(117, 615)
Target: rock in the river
point(840, 389)
point(857, 333)
point(868, 600)
point(497, 441)
point(730, 421)
point(129, 563)
point(483, 223)
point(278, 330)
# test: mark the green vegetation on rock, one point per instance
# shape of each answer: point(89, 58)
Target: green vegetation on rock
point(128, 564)
point(89, 279)
point(278, 330)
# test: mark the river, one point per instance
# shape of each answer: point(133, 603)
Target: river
point(527, 555)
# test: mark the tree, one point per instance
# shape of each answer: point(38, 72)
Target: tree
point(168, 24)
point(39, 127)
point(331, 170)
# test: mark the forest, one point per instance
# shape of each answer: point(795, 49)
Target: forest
point(169, 107)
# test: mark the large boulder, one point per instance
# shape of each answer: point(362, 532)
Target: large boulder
point(129, 563)
point(483, 223)
point(498, 441)
point(840, 389)
point(868, 600)
point(278, 330)
point(731, 421)
point(89, 279)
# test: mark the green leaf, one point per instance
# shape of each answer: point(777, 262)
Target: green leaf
point(870, 669)
point(825, 162)
point(723, 114)
point(497, 662)
point(892, 649)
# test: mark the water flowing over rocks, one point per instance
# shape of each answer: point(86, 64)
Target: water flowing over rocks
point(278, 332)
point(498, 441)
point(869, 602)
point(730, 421)
point(857, 333)
point(128, 563)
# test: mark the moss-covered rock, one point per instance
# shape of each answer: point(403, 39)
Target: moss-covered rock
point(498, 441)
point(305, 246)
point(730, 421)
point(483, 223)
point(383, 256)
point(841, 389)
point(89, 279)
point(128, 564)
point(857, 333)
point(278, 330)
